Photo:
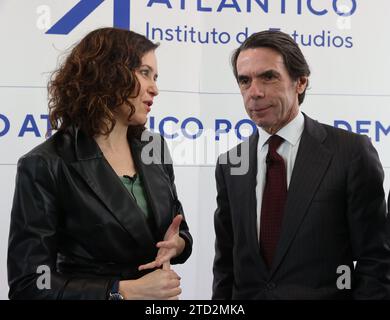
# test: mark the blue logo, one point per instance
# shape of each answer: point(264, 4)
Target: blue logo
point(84, 8)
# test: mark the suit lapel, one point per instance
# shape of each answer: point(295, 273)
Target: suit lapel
point(252, 202)
point(311, 163)
point(246, 194)
point(101, 178)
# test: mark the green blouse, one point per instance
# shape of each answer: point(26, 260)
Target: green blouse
point(136, 189)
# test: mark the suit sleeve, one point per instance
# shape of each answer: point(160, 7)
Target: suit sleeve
point(223, 260)
point(184, 230)
point(33, 240)
point(366, 215)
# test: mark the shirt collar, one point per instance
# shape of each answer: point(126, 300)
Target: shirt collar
point(291, 132)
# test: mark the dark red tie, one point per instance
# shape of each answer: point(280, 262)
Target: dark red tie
point(274, 200)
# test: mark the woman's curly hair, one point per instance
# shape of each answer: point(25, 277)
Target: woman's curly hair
point(96, 77)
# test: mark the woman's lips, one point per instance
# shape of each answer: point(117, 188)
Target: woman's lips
point(148, 105)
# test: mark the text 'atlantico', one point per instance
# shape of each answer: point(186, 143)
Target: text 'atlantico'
point(300, 7)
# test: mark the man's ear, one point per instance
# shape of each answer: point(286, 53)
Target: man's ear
point(302, 84)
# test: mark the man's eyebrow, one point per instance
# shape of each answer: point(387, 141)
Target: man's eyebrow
point(260, 74)
point(269, 72)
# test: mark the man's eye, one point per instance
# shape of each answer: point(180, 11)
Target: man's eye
point(243, 81)
point(269, 76)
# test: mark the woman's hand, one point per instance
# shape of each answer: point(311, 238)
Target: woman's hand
point(172, 246)
point(157, 285)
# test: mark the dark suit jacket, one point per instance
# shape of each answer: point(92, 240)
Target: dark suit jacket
point(334, 215)
point(73, 214)
point(388, 203)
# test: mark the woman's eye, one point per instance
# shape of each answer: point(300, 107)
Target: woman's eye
point(144, 72)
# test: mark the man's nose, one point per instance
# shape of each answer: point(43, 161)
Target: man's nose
point(256, 90)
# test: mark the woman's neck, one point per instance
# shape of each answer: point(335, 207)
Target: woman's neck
point(116, 140)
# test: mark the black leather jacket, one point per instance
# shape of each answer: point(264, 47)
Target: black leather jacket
point(72, 214)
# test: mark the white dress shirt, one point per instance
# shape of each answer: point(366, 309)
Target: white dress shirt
point(291, 133)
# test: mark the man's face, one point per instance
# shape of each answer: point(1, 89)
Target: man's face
point(270, 96)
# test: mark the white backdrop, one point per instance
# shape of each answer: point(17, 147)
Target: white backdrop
point(348, 56)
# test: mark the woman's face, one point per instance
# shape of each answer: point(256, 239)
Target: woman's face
point(147, 75)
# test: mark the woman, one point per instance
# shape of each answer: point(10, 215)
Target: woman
point(93, 210)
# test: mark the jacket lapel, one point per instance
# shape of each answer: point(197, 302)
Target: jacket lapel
point(156, 182)
point(311, 163)
point(245, 186)
point(101, 178)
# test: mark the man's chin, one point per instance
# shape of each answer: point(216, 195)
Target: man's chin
point(266, 126)
point(262, 123)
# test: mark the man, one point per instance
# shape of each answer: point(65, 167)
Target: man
point(311, 202)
